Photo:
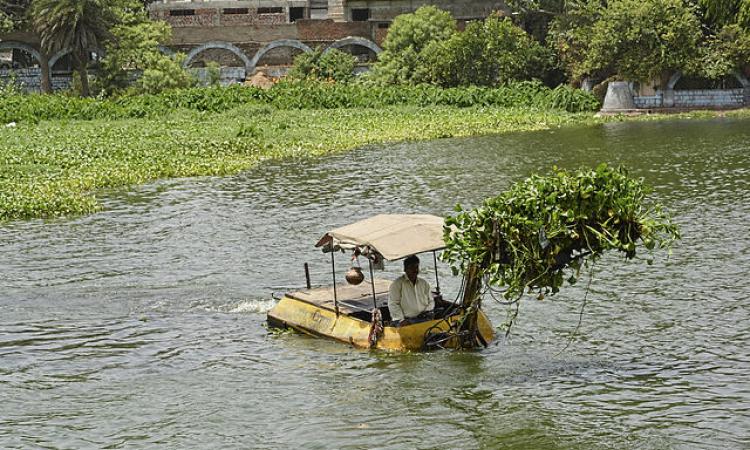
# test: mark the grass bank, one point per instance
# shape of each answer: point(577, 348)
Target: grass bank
point(56, 167)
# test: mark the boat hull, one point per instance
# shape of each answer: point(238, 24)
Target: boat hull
point(321, 322)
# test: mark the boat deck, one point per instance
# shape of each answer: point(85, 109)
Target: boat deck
point(351, 299)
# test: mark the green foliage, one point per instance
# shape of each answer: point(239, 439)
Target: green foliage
point(487, 53)
point(723, 54)
point(402, 58)
point(78, 25)
point(56, 168)
point(214, 73)
point(13, 15)
point(569, 38)
point(9, 88)
point(642, 39)
point(291, 95)
point(133, 49)
point(6, 23)
point(333, 65)
point(163, 73)
point(530, 235)
point(719, 13)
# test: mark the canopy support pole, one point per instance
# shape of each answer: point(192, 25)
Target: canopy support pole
point(333, 273)
point(437, 281)
point(372, 283)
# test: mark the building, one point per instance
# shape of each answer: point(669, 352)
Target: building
point(253, 33)
point(243, 35)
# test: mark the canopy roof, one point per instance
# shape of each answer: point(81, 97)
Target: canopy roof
point(394, 236)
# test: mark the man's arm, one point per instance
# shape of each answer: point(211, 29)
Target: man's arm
point(394, 301)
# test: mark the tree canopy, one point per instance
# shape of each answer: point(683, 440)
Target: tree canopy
point(13, 14)
point(78, 25)
point(486, 53)
point(402, 59)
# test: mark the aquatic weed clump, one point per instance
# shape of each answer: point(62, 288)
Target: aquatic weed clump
point(530, 235)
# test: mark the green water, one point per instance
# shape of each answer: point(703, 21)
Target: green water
point(142, 326)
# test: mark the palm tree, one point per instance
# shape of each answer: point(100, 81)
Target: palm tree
point(78, 25)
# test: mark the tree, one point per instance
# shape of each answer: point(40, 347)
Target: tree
point(13, 14)
point(641, 40)
point(78, 25)
point(719, 13)
point(401, 60)
point(723, 54)
point(487, 53)
point(569, 36)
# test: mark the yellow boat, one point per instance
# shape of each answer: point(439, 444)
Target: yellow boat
point(357, 314)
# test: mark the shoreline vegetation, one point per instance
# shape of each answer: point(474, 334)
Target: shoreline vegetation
point(58, 152)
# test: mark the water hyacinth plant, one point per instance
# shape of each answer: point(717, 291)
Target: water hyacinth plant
point(542, 230)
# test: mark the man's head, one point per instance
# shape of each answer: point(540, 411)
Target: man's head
point(411, 268)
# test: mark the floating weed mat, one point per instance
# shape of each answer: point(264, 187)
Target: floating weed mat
point(56, 168)
point(541, 231)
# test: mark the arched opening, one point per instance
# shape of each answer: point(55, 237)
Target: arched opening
point(231, 60)
point(223, 53)
point(20, 64)
point(18, 56)
point(363, 49)
point(691, 82)
point(61, 63)
point(278, 55)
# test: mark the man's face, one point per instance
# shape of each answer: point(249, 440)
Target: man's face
point(411, 272)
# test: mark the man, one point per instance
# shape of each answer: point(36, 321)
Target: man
point(409, 295)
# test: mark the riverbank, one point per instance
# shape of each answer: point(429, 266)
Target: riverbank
point(55, 168)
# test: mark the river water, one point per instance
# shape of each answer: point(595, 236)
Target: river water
point(142, 326)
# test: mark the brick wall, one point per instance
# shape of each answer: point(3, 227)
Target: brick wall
point(328, 30)
point(648, 101)
point(204, 17)
point(252, 18)
point(695, 98)
point(30, 80)
point(716, 98)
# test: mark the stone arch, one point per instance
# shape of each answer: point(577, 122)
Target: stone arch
point(216, 44)
point(744, 82)
point(5, 45)
point(57, 56)
point(674, 79)
point(353, 40)
point(272, 45)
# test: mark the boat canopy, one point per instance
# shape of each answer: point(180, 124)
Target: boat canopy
point(393, 236)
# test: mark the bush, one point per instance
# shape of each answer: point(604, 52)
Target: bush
point(290, 94)
point(163, 73)
point(332, 65)
point(487, 53)
point(402, 58)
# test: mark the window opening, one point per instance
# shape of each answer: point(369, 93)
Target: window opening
point(296, 13)
point(360, 14)
point(181, 12)
point(229, 11)
point(271, 10)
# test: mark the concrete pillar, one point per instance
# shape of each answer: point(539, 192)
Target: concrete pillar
point(668, 98)
point(619, 97)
